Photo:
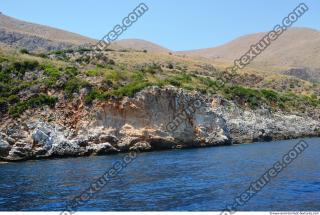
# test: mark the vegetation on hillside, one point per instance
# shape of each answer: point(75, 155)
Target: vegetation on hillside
point(26, 82)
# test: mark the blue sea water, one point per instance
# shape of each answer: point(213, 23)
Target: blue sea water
point(201, 179)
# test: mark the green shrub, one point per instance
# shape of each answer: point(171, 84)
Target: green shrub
point(42, 55)
point(314, 96)
point(5, 89)
point(93, 72)
point(21, 67)
point(4, 76)
point(74, 84)
point(62, 54)
point(174, 82)
point(113, 75)
point(137, 76)
point(183, 78)
point(58, 52)
point(208, 82)
point(270, 95)
point(24, 51)
point(250, 96)
point(18, 68)
point(30, 64)
point(170, 66)
point(82, 50)
point(42, 99)
point(34, 102)
point(51, 71)
point(100, 65)
point(289, 97)
point(160, 83)
point(111, 62)
point(179, 80)
point(3, 59)
point(131, 89)
point(152, 69)
point(95, 94)
point(12, 99)
point(71, 71)
point(49, 81)
point(3, 105)
point(311, 101)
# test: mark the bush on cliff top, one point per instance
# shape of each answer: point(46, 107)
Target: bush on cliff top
point(34, 102)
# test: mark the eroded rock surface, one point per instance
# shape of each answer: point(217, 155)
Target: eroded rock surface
point(263, 125)
point(154, 119)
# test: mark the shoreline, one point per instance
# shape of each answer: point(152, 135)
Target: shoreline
point(156, 150)
point(154, 119)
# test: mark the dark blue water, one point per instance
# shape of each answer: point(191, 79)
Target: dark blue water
point(195, 179)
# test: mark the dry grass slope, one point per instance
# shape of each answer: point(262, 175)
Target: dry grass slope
point(14, 25)
point(298, 47)
point(140, 45)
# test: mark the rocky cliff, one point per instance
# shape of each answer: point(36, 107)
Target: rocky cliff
point(154, 119)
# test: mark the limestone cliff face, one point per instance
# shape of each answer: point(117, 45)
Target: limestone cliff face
point(247, 126)
point(168, 115)
point(154, 119)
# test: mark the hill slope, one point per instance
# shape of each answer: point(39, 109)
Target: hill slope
point(31, 30)
point(139, 45)
point(39, 37)
point(295, 53)
point(298, 47)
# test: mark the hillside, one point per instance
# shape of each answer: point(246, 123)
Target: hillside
point(296, 48)
point(34, 36)
point(290, 64)
point(125, 98)
point(139, 45)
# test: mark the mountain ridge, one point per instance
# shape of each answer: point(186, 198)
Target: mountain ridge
point(296, 48)
point(284, 52)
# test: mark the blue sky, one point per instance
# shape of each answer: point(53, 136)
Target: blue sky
point(177, 25)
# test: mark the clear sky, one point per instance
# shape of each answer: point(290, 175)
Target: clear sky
point(174, 24)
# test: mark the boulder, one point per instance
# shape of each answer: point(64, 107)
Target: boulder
point(43, 136)
point(65, 148)
point(141, 146)
point(20, 153)
point(5, 147)
point(102, 148)
point(113, 140)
